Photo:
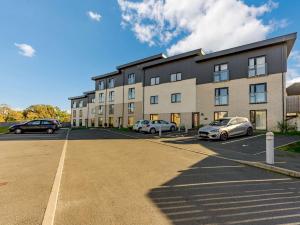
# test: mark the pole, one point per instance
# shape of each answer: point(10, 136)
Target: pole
point(270, 148)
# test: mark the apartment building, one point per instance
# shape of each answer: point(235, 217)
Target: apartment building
point(195, 88)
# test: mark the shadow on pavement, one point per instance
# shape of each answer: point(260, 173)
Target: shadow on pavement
point(221, 192)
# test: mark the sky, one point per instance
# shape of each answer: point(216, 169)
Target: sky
point(50, 49)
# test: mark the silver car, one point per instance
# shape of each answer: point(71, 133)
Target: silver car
point(226, 127)
point(154, 126)
point(139, 124)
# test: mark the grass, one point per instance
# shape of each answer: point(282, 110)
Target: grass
point(3, 130)
point(295, 147)
point(123, 129)
point(289, 133)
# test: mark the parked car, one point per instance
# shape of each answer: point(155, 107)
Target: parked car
point(226, 127)
point(153, 126)
point(49, 126)
point(139, 124)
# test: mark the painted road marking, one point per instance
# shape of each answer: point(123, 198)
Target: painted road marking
point(52, 202)
point(242, 139)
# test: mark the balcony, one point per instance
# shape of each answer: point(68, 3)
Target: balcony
point(258, 97)
point(222, 75)
point(257, 70)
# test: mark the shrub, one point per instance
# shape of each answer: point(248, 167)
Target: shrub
point(285, 127)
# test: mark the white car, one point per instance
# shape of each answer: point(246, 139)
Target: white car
point(139, 124)
point(154, 126)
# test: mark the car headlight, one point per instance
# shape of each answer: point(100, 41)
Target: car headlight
point(214, 131)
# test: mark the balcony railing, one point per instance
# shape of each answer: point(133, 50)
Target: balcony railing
point(293, 104)
point(221, 100)
point(257, 70)
point(222, 75)
point(258, 97)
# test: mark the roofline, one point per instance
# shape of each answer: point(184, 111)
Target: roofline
point(195, 52)
point(77, 97)
point(288, 38)
point(106, 75)
point(140, 61)
point(89, 92)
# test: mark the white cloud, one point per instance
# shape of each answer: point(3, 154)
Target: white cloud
point(293, 76)
point(25, 50)
point(94, 16)
point(210, 24)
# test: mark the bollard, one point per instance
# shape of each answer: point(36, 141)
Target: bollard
point(159, 131)
point(186, 129)
point(270, 148)
point(179, 128)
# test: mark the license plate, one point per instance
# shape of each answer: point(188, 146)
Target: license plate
point(203, 135)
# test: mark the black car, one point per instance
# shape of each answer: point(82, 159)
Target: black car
point(49, 126)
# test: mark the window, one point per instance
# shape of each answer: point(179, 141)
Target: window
point(176, 98)
point(110, 121)
point(101, 85)
point(74, 113)
point(220, 115)
point(221, 96)
point(175, 77)
point(80, 113)
point(154, 80)
point(80, 122)
point(111, 96)
point(131, 93)
point(34, 123)
point(175, 118)
point(259, 119)
point(111, 109)
point(100, 111)
point(93, 100)
point(101, 97)
point(131, 107)
point(221, 73)
point(111, 83)
point(130, 121)
point(258, 93)
point(131, 78)
point(74, 105)
point(154, 99)
point(154, 117)
point(100, 121)
point(257, 66)
point(74, 123)
point(93, 111)
point(81, 104)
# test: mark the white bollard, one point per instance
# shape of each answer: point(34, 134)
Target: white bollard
point(179, 128)
point(159, 131)
point(270, 148)
point(186, 129)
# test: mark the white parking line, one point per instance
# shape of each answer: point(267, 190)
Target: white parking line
point(52, 202)
point(242, 139)
point(259, 153)
point(288, 144)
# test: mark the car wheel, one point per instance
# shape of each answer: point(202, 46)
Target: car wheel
point(250, 131)
point(18, 131)
point(172, 128)
point(50, 131)
point(223, 136)
point(152, 131)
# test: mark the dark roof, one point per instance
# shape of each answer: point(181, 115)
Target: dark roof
point(140, 61)
point(77, 97)
point(174, 58)
point(89, 92)
point(106, 75)
point(293, 89)
point(289, 39)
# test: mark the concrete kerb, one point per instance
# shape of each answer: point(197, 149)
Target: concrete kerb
point(275, 169)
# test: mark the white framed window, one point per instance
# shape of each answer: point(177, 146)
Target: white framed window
point(81, 104)
point(101, 109)
point(111, 96)
point(154, 80)
point(175, 77)
point(131, 93)
point(131, 107)
point(154, 100)
point(111, 109)
point(176, 97)
point(101, 85)
point(74, 105)
point(131, 78)
point(101, 97)
point(111, 83)
point(93, 100)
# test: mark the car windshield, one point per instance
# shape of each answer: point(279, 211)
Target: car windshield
point(220, 122)
point(145, 122)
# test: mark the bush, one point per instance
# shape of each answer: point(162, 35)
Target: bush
point(285, 127)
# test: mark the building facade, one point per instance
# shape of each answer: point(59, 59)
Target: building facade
point(193, 88)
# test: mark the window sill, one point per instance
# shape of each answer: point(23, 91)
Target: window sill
point(221, 81)
point(256, 76)
point(258, 103)
point(223, 105)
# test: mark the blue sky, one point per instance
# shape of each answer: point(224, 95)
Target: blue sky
point(69, 46)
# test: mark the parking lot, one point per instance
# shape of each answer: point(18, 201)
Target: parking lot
point(112, 177)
